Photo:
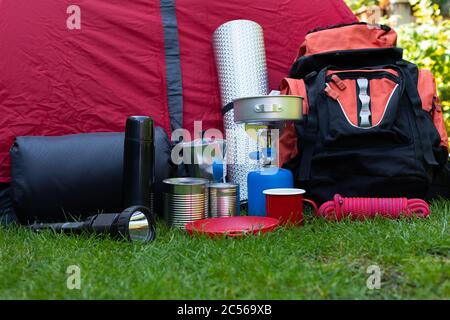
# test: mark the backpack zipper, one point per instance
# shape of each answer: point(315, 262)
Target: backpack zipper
point(368, 75)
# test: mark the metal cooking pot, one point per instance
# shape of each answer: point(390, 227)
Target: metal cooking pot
point(203, 158)
point(262, 109)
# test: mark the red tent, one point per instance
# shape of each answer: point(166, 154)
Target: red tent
point(83, 66)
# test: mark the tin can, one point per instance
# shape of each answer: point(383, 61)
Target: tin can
point(185, 200)
point(223, 200)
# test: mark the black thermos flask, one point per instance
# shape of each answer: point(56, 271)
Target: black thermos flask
point(138, 162)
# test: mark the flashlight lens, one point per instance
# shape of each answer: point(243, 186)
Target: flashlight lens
point(138, 227)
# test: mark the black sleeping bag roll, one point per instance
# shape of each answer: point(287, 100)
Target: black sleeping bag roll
point(70, 177)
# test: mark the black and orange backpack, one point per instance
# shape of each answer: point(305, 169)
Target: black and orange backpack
point(373, 125)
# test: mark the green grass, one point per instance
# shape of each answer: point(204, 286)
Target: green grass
point(320, 260)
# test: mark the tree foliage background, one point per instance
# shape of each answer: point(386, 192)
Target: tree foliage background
point(426, 42)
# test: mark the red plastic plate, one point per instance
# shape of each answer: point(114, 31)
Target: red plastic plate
point(232, 226)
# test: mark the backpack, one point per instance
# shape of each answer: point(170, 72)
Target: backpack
point(373, 124)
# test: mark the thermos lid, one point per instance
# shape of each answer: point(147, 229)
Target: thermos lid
point(139, 128)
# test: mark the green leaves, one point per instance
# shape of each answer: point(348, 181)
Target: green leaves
point(427, 43)
point(357, 4)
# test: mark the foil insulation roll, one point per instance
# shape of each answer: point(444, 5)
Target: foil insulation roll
point(242, 71)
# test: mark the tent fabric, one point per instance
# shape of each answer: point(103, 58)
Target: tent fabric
point(285, 24)
point(131, 57)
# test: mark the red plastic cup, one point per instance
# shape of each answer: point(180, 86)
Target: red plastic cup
point(286, 204)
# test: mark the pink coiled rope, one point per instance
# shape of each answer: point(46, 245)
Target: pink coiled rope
point(360, 208)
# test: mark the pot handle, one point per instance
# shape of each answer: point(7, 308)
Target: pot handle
point(267, 108)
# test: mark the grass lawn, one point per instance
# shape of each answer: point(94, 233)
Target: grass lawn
point(318, 261)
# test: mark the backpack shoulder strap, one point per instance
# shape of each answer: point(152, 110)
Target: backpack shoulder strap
point(410, 74)
point(426, 86)
point(315, 85)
